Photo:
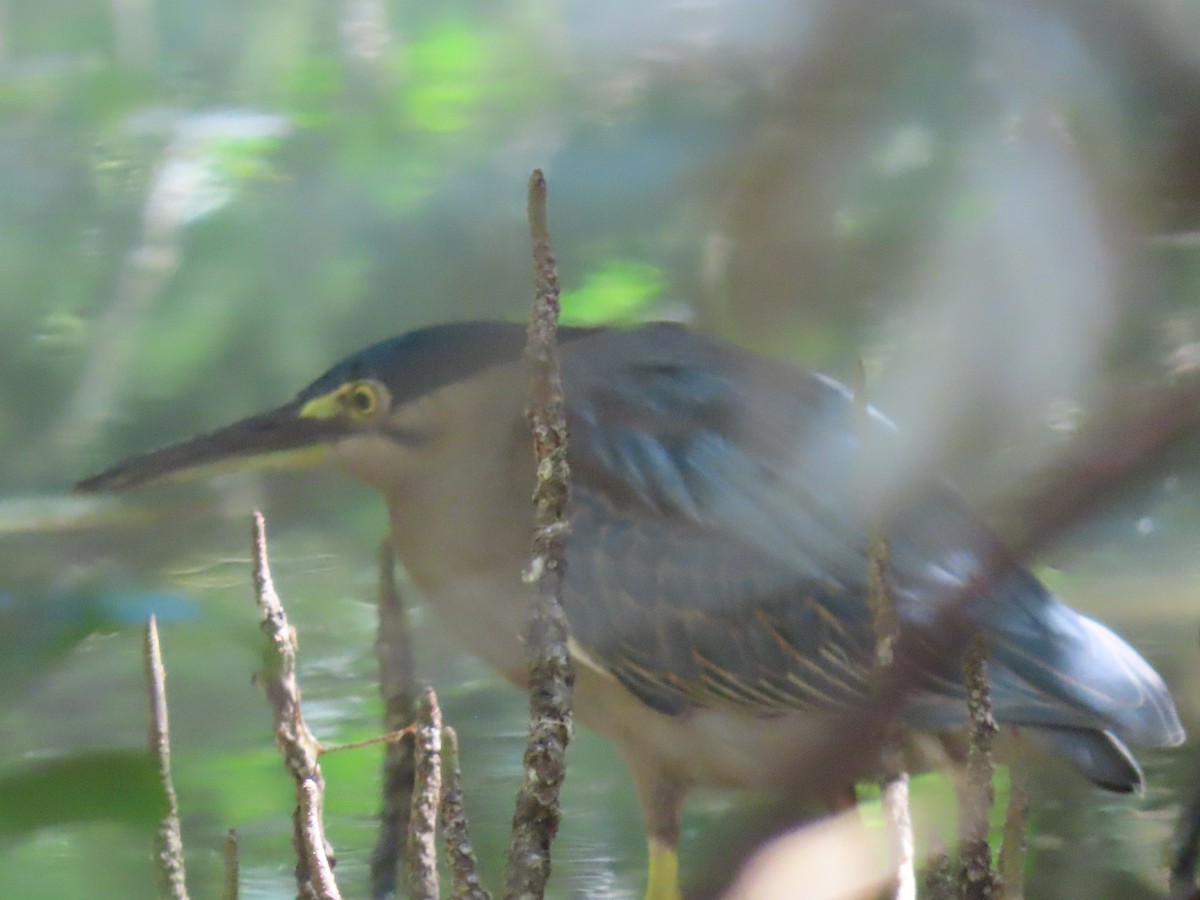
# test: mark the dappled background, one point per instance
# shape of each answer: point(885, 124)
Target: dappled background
point(204, 203)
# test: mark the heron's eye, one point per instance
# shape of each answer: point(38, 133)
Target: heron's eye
point(362, 399)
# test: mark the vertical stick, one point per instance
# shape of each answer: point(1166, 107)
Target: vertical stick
point(313, 832)
point(460, 853)
point(427, 790)
point(535, 820)
point(229, 890)
point(1012, 850)
point(977, 879)
point(397, 688)
point(168, 842)
point(893, 778)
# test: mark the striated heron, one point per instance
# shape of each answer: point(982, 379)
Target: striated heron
point(717, 567)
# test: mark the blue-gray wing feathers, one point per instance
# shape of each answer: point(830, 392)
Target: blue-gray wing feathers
point(719, 515)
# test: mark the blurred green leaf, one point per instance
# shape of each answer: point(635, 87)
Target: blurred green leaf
point(246, 159)
point(618, 289)
point(448, 72)
point(111, 785)
point(312, 89)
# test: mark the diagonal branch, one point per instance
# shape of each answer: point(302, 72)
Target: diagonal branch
point(299, 747)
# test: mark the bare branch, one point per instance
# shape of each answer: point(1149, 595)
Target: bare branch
point(893, 778)
point(229, 889)
point(1012, 850)
point(938, 881)
point(320, 874)
point(551, 677)
point(168, 842)
point(977, 878)
point(299, 747)
point(460, 852)
point(398, 689)
point(427, 789)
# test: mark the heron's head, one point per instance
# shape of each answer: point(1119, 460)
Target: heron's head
point(376, 414)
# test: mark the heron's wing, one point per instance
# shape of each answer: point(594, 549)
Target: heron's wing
point(722, 549)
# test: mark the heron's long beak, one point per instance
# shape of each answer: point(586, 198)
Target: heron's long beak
point(287, 437)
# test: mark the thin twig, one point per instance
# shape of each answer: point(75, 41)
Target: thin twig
point(320, 874)
point(977, 878)
point(1012, 850)
point(168, 841)
point(551, 677)
point(300, 749)
point(398, 690)
point(427, 790)
point(394, 737)
point(229, 889)
point(456, 830)
point(893, 778)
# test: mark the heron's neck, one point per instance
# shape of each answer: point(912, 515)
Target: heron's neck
point(465, 510)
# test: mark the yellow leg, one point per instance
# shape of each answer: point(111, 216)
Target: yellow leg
point(663, 881)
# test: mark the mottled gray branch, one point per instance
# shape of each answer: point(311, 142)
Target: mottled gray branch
point(977, 878)
point(427, 790)
point(938, 881)
point(398, 690)
point(456, 831)
point(299, 747)
point(551, 677)
point(313, 834)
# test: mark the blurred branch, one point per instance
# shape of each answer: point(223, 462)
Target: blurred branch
point(229, 889)
point(977, 879)
point(893, 778)
point(427, 789)
point(147, 268)
point(1185, 849)
point(938, 881)
point(397, 688)
point(168, 842)
point(1185, 844)
point(1012, 851)
point(460, 853)
point(297, 744)
point(535, 820)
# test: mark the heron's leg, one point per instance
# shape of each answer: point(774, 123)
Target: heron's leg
point(662, 806)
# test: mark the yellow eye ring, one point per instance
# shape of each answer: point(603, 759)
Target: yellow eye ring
point(361, 399)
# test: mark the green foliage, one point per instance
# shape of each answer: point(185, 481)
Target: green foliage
point(447, 74)
point(311, 89)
